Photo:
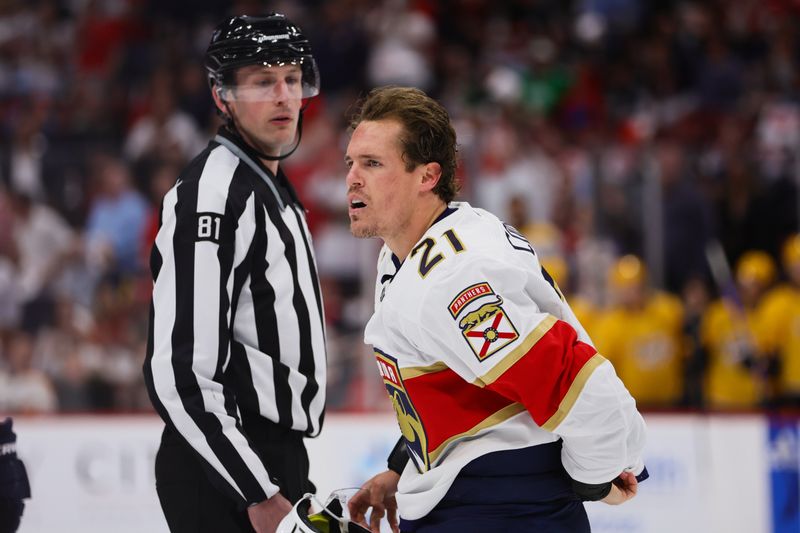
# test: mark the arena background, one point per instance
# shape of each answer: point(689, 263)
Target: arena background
point(667, 130)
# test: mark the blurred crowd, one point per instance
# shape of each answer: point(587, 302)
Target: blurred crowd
point(649, 150)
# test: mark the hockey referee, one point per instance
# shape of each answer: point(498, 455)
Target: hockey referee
point(236, 351)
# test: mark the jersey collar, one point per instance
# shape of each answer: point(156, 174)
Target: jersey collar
point(279, 184)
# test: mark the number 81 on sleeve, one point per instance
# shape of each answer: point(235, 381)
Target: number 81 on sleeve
point(208, 225)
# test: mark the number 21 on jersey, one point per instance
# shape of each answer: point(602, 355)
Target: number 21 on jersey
point(430, 256)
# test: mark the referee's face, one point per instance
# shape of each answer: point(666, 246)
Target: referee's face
point(381, 191)
point(266, 103)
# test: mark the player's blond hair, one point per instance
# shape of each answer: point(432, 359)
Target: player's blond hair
point(428, 136)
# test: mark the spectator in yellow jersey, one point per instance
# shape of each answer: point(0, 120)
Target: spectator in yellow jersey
point(780, 316)
point(733, 336)
point(640, 334)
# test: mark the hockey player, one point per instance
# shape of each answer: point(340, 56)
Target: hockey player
point(734, 337)
point(508, 414)
point(780, 317)
point(641, 335)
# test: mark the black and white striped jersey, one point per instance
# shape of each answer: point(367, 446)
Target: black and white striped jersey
point(236, 320)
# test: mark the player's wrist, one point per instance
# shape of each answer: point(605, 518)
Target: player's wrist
point(398, 457)
point(591, 492)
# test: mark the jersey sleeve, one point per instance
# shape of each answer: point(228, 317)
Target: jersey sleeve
point(486, 320)
point(189, 344)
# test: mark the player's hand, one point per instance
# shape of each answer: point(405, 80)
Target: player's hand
point(377, 493)
point(623, 489)
point(265, 516)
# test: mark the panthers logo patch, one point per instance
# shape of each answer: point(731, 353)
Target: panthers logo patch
point(407, 417)
point(487, 329)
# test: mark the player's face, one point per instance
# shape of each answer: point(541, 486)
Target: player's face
point(381, 193)
point(266, 103)
point(631, 295)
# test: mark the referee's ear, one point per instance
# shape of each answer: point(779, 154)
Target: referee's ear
point(432, 173)
point(219, 101)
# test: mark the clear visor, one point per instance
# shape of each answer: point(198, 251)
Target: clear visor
point(290, 80)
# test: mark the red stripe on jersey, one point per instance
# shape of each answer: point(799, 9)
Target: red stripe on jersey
point(449, 406)
point(542, 377)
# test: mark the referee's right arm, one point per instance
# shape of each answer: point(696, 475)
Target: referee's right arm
point(192, 262)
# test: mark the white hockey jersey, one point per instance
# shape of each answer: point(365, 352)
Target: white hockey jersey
point(480, 353)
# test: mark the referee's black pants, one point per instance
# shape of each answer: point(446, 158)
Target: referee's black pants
point(192, 504)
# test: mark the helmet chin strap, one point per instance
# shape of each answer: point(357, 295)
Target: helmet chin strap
point(231, 123)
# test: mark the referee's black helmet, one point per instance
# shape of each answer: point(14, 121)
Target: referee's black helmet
point(270, 40)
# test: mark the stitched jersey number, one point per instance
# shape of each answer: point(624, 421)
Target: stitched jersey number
point(208, 227)
point(519, 242)
point(428, 262)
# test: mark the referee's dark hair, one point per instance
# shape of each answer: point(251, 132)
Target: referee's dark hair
point(428, 136)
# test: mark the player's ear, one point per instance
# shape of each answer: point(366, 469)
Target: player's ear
point(432, 173)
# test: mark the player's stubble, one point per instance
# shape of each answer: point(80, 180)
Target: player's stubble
point(362, 231)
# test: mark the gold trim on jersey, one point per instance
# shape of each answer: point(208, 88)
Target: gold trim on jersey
point(492, 420)
point(497, 370)
point(574, 391)
point(518, 353)
point(412, 372)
